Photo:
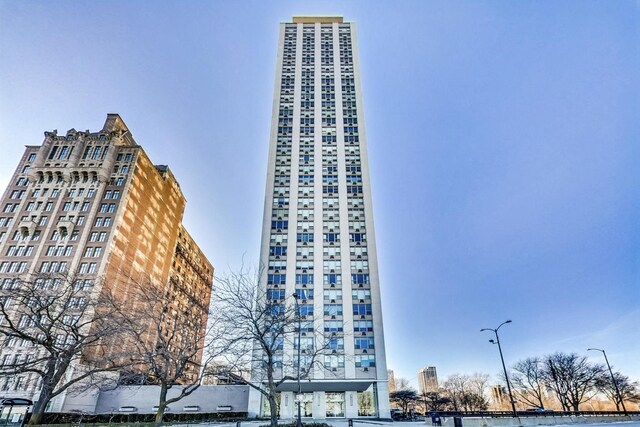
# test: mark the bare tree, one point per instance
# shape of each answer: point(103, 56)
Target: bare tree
point(64, 321)
point(261, 324)
point(401, 383)
point(467, 392)
point(166, 326)
point(436, 400)
point(571, 378)
point(628, 389)
point(404, 398)
point(528, 382)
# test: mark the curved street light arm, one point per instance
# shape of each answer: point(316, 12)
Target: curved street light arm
point(503, 323)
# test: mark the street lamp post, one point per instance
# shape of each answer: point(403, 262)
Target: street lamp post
point(613, 379)
point(506, 377)
point(299, 396)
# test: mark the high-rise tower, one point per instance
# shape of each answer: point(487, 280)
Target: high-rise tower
point(428, 379)
point(92, 207)
point(318, 233)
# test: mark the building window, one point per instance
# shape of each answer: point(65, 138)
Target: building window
point(367, 405)
point(365, 361)
point(334, 404)
point(362, 309)
point(333, 309)
point(304, 237)
point(275, 294)
point(332, 279)
point(276, 279)
point(363, 343)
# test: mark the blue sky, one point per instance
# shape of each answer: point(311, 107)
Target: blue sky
point(503, 141)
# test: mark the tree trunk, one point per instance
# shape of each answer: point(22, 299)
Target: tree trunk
point(162, 404)
point(41, 404)
point(273, 408)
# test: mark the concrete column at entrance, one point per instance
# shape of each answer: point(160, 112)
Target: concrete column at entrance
point(319, 406)
point(384, 410)
point(255, 398)
point(288, 406)
point(351, 404)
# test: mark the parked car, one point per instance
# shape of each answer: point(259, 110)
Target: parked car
point(540, 410)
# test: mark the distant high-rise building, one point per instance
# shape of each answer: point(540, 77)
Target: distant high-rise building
point(92, 205)
point(499, 395)
point(427, 379)
point(318, 236)
point(392, 380)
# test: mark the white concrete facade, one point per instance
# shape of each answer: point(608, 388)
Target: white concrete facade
point(318, 230)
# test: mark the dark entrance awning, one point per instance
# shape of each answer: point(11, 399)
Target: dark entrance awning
point(326, 385)
point(16, 402)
